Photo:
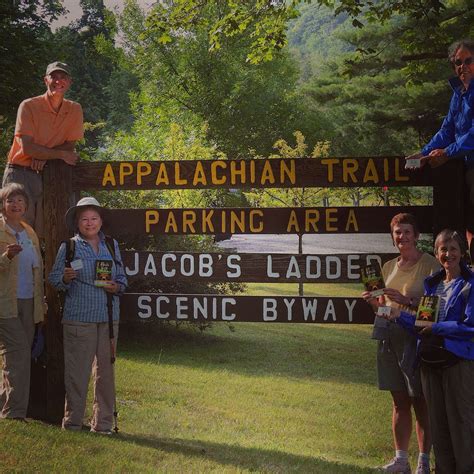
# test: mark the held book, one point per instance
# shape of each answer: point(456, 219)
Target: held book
point(103, 272)
point(371, 276)
point(428, 311)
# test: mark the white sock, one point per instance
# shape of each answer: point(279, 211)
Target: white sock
point(424, 458)
point(400, 454)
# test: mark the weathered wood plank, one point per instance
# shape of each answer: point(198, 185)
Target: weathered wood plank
point(314, 220)
point(137, 307)
point(57, 195)
point(246, 267)
point(252, 173)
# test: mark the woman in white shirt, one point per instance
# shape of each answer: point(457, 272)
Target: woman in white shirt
point(21, 300)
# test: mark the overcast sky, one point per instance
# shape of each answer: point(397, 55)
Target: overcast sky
point(75, 10)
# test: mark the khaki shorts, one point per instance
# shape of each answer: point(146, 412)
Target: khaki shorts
point(396, 360)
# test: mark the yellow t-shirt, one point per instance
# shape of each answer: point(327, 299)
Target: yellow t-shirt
point(409, 281)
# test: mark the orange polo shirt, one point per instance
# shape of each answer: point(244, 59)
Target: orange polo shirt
point(37, 118)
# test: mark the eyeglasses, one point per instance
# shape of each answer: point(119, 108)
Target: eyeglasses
point(459, 62)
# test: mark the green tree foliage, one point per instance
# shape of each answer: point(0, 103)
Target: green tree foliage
point(25, 50)
point(265, 21)
point(386, 91)
point(244, 105)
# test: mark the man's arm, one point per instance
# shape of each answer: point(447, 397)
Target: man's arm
point(63, 152)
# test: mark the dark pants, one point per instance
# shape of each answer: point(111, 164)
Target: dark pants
point(449, 395)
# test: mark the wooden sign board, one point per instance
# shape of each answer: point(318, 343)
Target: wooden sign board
point(137, 307)
point(302, 220)
point(250, 173)
point(247, 267)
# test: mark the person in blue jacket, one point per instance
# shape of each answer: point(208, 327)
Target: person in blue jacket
point(446, 354)
point(455, 138)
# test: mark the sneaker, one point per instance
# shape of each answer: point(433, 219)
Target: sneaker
point(103, 432)
point(402, 466)
point(423, 468)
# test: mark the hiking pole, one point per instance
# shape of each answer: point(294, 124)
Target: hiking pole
point(112, 354)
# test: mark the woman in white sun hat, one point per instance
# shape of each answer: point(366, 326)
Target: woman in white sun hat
point(89, 269)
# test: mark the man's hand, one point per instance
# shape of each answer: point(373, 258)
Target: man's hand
point(69, 157)
point(415, 156)
point(37, 165)
point(437, 158)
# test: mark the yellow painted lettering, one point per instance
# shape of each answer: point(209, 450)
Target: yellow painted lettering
point(109, 177)
point(330, 162)
point(214, 178)
point(349, 167)
point(177, 175)
point(287, 171)
point(151, 218)
point(236, 220)
point(252, 171)
point(293, 225)
point(311, 218)
point(331, 218)
point(398, 176)
point(162, 175)
point(256, 221)
point(267, 173)
point(352, 221)
point(199, 175)
point(143, 169)
point(234, 171)
point(206, 220)
point(189, 218)
point(125, 169)
point(371, 172)
point(386, 172)
point(171, 223)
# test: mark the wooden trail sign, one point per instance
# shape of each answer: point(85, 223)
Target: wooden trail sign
point(246, 267)
point(269, 309)
point(251, 173)
point(314, 220)
point(61, 181)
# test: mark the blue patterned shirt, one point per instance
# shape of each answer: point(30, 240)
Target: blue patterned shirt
point(85, 302)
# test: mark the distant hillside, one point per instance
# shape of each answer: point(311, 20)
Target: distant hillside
point(314, 37)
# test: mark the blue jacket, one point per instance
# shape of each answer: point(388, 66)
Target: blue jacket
point(456, 134)
point(458, 327)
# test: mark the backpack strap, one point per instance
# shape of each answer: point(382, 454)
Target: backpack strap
point(110, 244)
point(70, 251)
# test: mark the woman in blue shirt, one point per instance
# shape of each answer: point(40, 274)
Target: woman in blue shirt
point(87, 345)
point(446, 350)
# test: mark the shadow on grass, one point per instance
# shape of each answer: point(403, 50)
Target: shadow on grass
point(293, 351)
point(251, 459)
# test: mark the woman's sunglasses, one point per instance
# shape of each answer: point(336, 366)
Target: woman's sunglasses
point(467, 62)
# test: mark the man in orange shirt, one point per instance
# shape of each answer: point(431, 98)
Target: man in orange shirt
point(47, 128)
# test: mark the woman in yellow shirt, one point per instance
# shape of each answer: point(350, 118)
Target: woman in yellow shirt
point(396, 349)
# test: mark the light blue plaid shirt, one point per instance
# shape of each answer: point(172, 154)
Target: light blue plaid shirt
point(84, 301)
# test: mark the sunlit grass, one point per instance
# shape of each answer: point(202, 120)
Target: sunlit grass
point(258, 398)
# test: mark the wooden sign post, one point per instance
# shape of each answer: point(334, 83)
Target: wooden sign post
point(61, 180)
point(57, 184)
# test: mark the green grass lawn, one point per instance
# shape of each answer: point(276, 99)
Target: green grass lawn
point(258, 398)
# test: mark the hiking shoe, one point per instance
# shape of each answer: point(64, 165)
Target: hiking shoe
point(103, 432)
point(423, 468)
point(402, 466)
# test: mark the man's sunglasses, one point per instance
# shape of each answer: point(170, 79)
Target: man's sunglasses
point(467, 62)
